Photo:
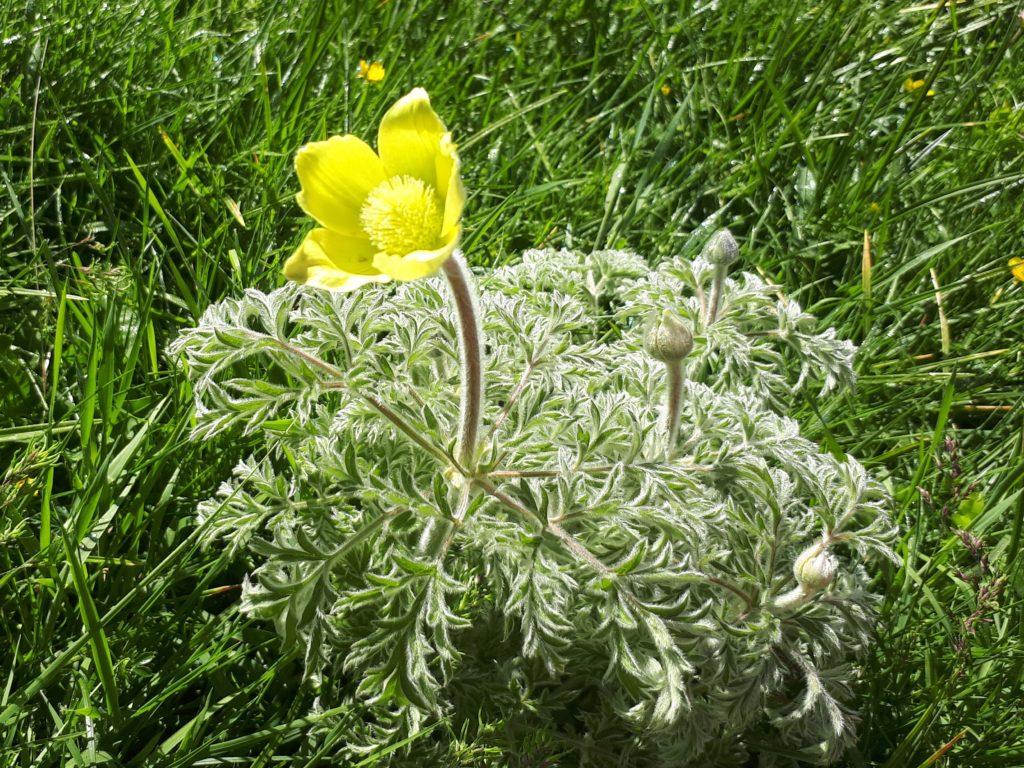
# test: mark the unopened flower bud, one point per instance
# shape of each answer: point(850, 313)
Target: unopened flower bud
point(667, 338)
point(815, 568)
point(721, 249)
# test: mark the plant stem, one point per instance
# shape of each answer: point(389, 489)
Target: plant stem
point(520, 386)
point(716, 293)
point(592, 470)
point(579, 550)
point(471, 347)
point(674, 395)
point(340, 382)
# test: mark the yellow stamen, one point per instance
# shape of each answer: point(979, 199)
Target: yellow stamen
point(401, 215)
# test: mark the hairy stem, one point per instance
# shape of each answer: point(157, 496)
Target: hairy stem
point(471, 345)
point(340, 382)
point(716, 293)
point(594, 469)
point(514, 396)
point(579, 550)
point(674, 400)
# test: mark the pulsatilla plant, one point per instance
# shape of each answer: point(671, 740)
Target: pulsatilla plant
point(566, 498)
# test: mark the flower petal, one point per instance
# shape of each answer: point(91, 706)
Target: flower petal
point(409, 139)
point(417, 264)
point(336, 176)
point(446, 162)
point(326, 259)
point(452, 191)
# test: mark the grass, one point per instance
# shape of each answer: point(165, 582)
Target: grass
point(145, 171)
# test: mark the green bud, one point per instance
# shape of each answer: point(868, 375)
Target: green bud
point(721, 249)
point(667, 338)
point(815, 568)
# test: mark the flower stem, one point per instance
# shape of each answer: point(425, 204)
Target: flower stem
point(471, 336)
point(674, 399)
point(717, 283)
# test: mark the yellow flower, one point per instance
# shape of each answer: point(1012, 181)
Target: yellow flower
point(910, 85)
point(666, 89)
point(1017, 267)
point(396, 215)
point(370, 72)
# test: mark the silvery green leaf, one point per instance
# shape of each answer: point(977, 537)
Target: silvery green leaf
point(596, 556)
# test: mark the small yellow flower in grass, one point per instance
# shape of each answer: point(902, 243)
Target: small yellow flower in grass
point(370, 72)
point(1017, 268)
point(910, 85)
point(666, 89)
point(396, 215)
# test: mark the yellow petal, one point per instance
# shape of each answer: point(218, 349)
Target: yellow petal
point(409, 140)
point(336, 175)
point(417, 264)
point(326, 259)
point(1017, 268)
point(451, 190)
point(372, 73)
point(375, 72)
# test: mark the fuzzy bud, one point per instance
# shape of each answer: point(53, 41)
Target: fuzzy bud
point(667, 338)
point(815, 568)
point(721, 249)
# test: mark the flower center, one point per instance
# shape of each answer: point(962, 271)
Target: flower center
point(402, 215)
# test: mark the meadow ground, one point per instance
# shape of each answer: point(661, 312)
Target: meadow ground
point(868, 155)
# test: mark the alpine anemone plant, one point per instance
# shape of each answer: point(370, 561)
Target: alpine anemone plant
point(602, 543)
